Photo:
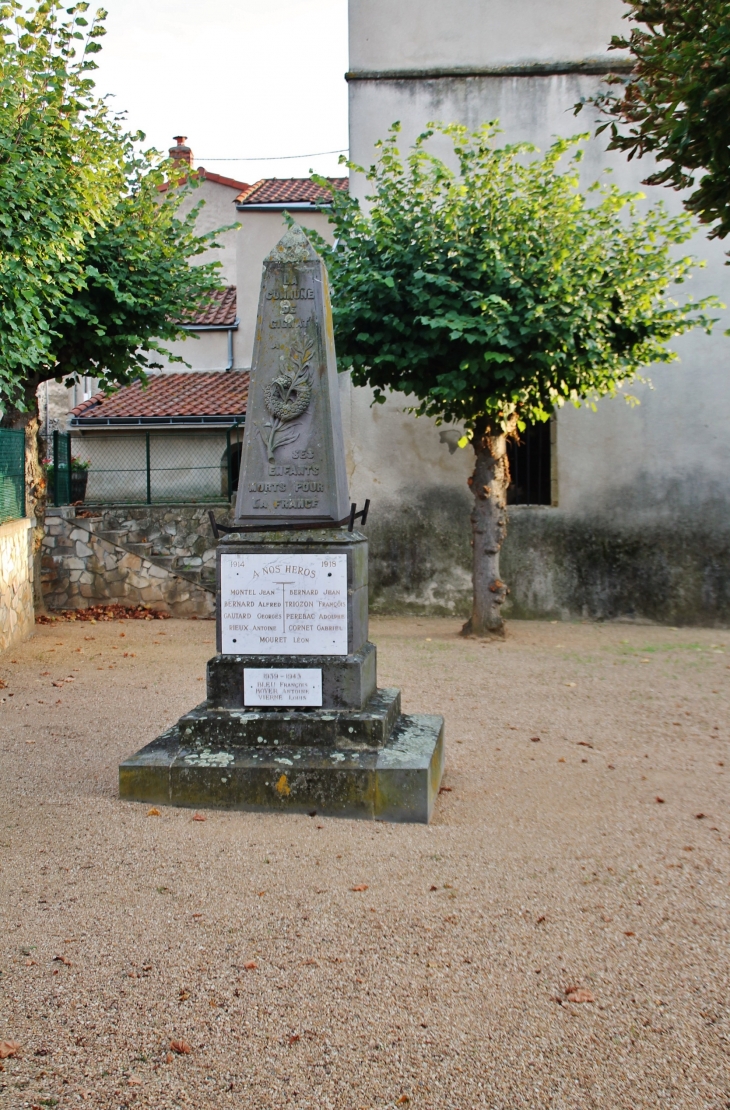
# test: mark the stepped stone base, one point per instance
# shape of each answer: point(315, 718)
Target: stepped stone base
point(396, 782)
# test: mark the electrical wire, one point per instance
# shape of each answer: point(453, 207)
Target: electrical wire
point(274, 158)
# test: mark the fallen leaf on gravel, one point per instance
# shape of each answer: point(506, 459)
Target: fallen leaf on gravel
point(540, 919)
point(561, 760)
point(62, 960)
point(134, 1081)
point(360, 886)
point(199, 817)
point(570, 684)
point(294, 1038)
point(31, 963)
point(584, 744)
point(534, 739)
point(262, 893)
point(699, 816)
point(250, 965)
point(628, 933)
point(184, 995)
point(402, 1101)
point(181, 1047)
point(432, 887)
point(57, 683)
point(445, 789)
point(578, 994)
point(9, 1049)
point(154, 812)
point(660, 800)
point(169, 1058)
point(4, 685)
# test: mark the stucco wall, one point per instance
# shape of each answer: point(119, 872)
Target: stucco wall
point(219, 210)
point(17, 617)
point(628, 479)
point(419, 34)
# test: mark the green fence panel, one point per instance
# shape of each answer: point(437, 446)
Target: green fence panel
point(151, 467)
point(12, 474)
point(61, 468)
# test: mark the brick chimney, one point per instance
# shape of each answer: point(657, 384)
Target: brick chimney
point(180, 152)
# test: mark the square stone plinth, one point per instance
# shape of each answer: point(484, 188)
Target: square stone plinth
point(398, 782)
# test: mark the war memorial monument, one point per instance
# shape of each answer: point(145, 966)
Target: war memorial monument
point(293, 718)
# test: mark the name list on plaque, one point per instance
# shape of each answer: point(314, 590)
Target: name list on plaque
point(283, 604)
point(282, 688)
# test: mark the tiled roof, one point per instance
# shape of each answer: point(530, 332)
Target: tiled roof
point(214, 177)
point(194, 395)
point(219, 180)
point(220, 311)
point(287, 190)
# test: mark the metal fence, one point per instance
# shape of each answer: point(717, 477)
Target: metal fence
point(12, 474)
point(148, 468)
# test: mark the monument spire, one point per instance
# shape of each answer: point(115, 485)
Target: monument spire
point(293, 462)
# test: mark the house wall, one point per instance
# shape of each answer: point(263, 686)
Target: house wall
point(653, 480)
point(219, 210)
point(17, 616)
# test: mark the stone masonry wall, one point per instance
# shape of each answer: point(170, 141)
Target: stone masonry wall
point(17, 617)
point(81, 568)
point(178, 536)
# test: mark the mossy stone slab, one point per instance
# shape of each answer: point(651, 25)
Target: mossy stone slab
point(398, 782)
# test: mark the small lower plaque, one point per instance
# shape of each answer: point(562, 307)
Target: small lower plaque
point(282, 688)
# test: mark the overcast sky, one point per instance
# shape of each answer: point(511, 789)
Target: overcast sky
point(240, 78)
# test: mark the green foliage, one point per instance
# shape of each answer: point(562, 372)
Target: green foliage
point(93, 257)
point(676, 102)
point(500, 290)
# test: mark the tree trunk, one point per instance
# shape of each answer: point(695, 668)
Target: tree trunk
point(489, 484)
point(35, 485)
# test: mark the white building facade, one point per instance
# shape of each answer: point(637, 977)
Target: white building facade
point(639, 526)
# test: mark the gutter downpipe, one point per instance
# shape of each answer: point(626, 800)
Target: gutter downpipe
point(230, 344)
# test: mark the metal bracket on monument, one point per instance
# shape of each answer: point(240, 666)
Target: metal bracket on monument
point(221, 529)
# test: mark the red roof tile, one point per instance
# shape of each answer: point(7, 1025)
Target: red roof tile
point(219, 180)
point(208, 176)
point(288, 190)
point(219, 312)
point(195, 394)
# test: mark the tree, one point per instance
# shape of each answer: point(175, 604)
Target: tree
point(94, 254)
point(495, 294)
point(676, 102)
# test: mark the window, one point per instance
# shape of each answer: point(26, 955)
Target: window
point(530, 459)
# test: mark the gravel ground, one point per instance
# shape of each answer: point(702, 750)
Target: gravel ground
point(316, 963)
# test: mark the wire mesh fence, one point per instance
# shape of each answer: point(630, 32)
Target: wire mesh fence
point(146, 468)
point(12, 474)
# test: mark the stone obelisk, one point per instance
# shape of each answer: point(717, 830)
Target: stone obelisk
point(293, 719)
point(293, 462)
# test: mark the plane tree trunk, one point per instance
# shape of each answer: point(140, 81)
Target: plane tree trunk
point(488, 484)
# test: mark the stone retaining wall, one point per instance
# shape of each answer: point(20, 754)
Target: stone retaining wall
point(81, 568)
point(180, 532)
point(17, 617)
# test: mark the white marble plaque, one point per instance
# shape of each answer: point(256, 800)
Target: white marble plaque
point(285, 688)
point(292, 604)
